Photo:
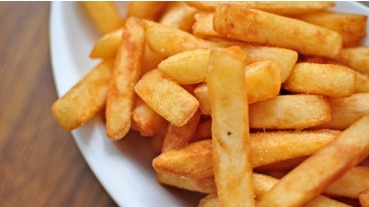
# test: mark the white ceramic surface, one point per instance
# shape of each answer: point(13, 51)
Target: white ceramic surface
point(124, 167)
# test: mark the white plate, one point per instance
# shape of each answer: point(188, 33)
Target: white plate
point(124, 167)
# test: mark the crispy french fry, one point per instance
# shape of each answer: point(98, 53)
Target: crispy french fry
point(169, 41)
point(107, 46)
point(352, 27)
point(146, 121)
point(202, 95)
point(188, 67)
point(361, 83)
point(230, 131)
point(290, 112)
point(127, 70)
point(211, 200)
point(85, 99)
point(150, 10)
point(178, 15)
point(356, 58)
point(326, 165)
point(104, 14)
point(203, 25)
point(276, 7)
point(321, 79)
point(345, 111)
point(177, 137)
point(166, 98)
point(251, 25)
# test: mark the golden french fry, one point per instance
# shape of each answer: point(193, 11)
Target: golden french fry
point(321, 79)
point(107, 46)
point(169, 41)
point(150, 10)
point(352, 27)
point(178, 15)
point(177, 137)
point(277, 7)
point(345, 111)
point(166, 98)
point(85, 99)
point(146, 121)
point(127, 70)
point(290, 112)
point(203, 25)
point(188, 67)
point(256, 26)
point(202, 95)
point(361, 83)
point(210, 200)
point(104, 14)
point(323, 167)
point(230, 131)
point(356, 58)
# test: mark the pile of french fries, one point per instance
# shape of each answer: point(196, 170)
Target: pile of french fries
point(250, 103)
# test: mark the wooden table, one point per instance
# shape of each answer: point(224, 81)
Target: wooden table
point(40, 164)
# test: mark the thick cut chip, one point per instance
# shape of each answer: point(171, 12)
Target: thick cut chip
point(256, 26)
point(203, 25)
point(352, 27)
point(345, 111)
point(169, 41)
point(290, 112)
point(178, 15)
point(150, 10)
point(356, 58)
point(321, 79)
point(104, 14)
point(85, 99)
point(230, 131)
point(313, 175)
point(107, 46)
point(167, 98)
point(202, 94)
point(127, 70)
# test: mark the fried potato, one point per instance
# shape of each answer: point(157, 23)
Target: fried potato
point(323, 167)
point(361, 83)
point(230, 131)
point(104, 14)
point(178, 15)
point(84, 99)
point(364, 198)
point(150, 10)
point(188, 67)
point(321, 79)
point(290, 112)
point(127, 70)
point(345, 111)
point(211, 200)
point(352, 27)
point(107, 46)
point(203, 25)
point(166, 98)
point(256, 26)
point(202, 95)
point(277, 7)
point(356, 58)
point(177, 137)
point(168, 41)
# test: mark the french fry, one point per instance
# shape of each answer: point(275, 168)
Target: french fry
point(202, 95)
point(230, 131)
point(203, 25)
point(321, 79)
point(326, 165)
point(361, 83)
point(276, 7)
point(256, 26)
point(107, 46)
point(104, 14)
point(146, 121)
point(356, 58)
point(150, 10)
point(290, 112)
point(211, 200)
point(166, 98)
point(84, 99)
point(127, 69)
point(188, 67)
point(352, 27)
point(178, 15)
point(168, 41)
point(177, 137)
point(203, 130)
point(345, 111)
